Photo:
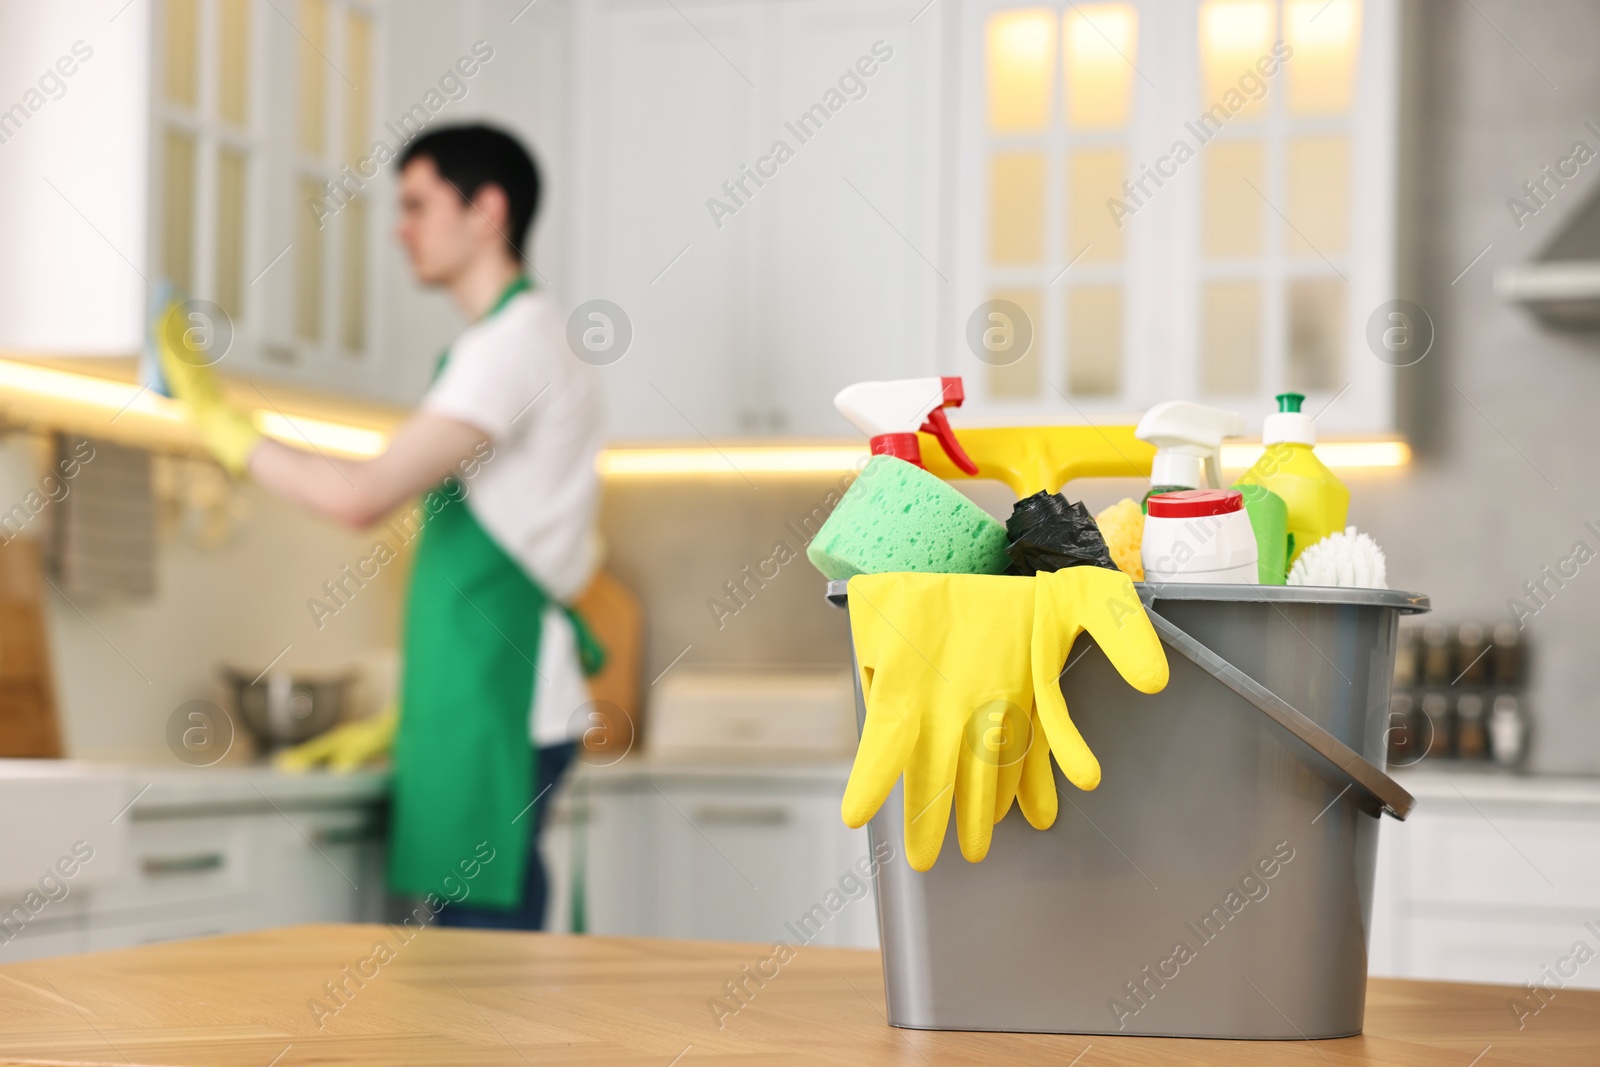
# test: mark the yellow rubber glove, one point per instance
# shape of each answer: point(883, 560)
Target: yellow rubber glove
point(944, 662)
point(343, 748)
point(1066, 603)
point(226, 431)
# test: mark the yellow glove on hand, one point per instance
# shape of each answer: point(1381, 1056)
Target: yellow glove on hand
point(226, 430)
point(343, 748)
point(944, 662)
point(1066, 603)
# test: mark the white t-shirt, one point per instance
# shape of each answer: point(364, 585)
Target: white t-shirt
point(538, 495)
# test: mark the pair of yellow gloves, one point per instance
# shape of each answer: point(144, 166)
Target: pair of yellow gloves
point(961, 677)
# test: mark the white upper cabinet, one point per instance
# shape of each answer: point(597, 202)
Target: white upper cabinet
point(1177, 199)
point(757, 189)
point(1081, 208)
point(73, 176)
point(243, 150)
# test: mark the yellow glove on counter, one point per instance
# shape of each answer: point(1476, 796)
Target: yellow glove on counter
point(343, 748)
point(944, 662)
point(1066, 603)
point(226, 431)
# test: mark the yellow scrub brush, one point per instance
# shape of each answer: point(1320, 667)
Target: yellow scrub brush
point(1122, 525)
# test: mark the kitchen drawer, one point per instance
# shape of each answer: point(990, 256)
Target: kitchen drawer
point(324, 865)
point(101, 938)
point(1496, 856)
point(1492, 948)
point(740, 864)
point(173, 861)
point(42, 938)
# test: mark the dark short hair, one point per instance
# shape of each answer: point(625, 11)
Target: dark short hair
point(470, 157)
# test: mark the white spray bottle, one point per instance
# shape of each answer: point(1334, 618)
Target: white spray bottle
point(1188, 439)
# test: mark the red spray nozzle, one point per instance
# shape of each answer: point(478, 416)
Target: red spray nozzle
point(939, 426)
point(892, 412)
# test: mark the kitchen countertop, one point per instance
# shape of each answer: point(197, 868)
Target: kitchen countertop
point(479, 997)
point(157, 789)
point(646, 767)
point(1464, 782)
point(176, 790)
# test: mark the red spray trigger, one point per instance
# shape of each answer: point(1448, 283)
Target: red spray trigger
point(939, 426)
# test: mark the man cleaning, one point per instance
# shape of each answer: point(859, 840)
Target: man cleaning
point(504, 445)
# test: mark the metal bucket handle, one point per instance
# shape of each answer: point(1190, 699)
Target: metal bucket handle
point(1381, 792)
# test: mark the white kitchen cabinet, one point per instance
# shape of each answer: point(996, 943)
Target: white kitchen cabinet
point(73, 176)
point(1182, 198)
point(752, 299)
point(49, 936)
point(242, 149)
point(712, 851)
point(214, 851)
point(1493, 878)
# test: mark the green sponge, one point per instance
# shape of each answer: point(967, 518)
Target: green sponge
point(898, 517)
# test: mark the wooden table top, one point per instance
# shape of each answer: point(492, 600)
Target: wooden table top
point(472, 997)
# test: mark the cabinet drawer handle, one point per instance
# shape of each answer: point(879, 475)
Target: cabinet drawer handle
point(741, 815)
point(344, 835)
point(199, 861)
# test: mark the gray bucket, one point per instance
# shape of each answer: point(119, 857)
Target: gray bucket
point(1218, 883)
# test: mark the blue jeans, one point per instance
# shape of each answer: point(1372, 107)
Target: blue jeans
point(550, 764)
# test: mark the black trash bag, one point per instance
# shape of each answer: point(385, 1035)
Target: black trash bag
point(1047, 534)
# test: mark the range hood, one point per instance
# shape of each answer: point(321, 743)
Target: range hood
point(1561, 286)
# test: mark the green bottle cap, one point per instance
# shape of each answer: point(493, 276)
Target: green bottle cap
point(1290, 401)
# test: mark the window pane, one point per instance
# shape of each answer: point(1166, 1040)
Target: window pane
point(1020, 55)
point(177, 208)
point(1316, 339)
point(233, 62)
point(1019, 380)
point(1100, 42)
point(230, 230)
point(1016, 208)
point(1233, 35)
point(1094, 176)
point(1094, 340)
point(312, 41)
point(1324, 35)
point(358, 68)
point(1319, 195)
point(1234, 220)
point(1230, 335)
point(182, 74)
point(353, 312)
point(308, 266)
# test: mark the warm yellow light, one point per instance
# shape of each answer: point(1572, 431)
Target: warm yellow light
point(124, 400)
point(51, 384)
point(733, 460)
point(839, 459)
point(352, 441)
point(1234, 35)
point(1320, 24)
point(1323, 34)
point(1100, 48)
point(1235, 26)
point(1337, 455)
point(1020, 59)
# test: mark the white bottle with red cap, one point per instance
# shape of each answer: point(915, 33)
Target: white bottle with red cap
point(1200, 536)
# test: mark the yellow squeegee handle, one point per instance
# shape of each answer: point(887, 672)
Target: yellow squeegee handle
point(1034, 458)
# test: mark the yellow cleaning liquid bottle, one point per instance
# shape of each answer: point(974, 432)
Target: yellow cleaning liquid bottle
point(1317, 502)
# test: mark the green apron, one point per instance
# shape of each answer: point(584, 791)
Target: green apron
point(463, 755)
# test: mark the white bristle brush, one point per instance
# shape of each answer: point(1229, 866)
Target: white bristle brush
point(1350, 560)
